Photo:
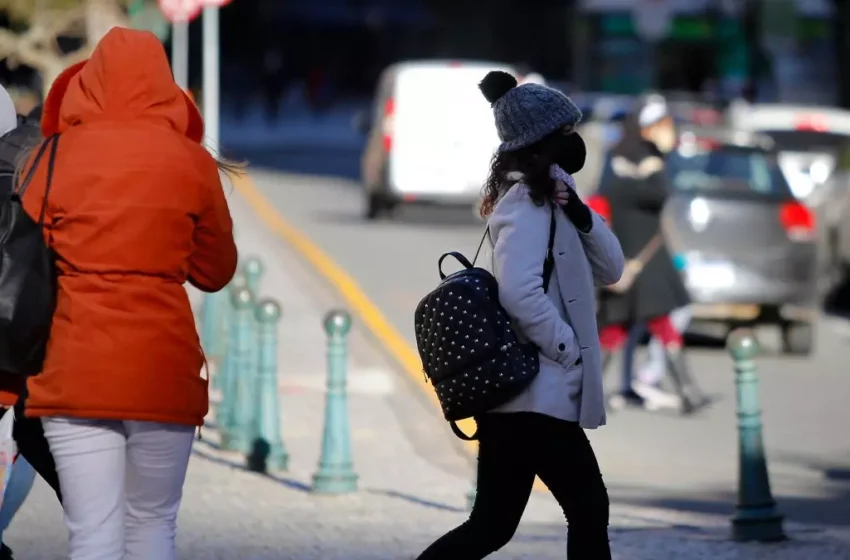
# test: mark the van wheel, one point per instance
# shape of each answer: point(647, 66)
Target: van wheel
point(798, 339)
point(377, 207)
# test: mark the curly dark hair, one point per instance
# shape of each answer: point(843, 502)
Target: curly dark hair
point(533, 162)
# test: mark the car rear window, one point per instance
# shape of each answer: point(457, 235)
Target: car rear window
point(727, 171)
point(807, 140)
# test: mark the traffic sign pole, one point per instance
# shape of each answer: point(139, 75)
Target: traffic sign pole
point(212, 78)
point(180, 13)
point(180, 53)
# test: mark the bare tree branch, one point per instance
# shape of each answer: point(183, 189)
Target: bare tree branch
point(8, 43)
point(60, 22)
point(78, 55)
point(46, 21)
point(19, 49)
point(36, 47)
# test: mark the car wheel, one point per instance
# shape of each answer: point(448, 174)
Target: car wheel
point(377, 206)
point(798, 339)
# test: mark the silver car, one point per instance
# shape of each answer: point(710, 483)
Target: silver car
point(746, 245)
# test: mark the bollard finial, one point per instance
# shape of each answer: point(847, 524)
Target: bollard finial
point(253, 266)
point(238, 281)
point(242, 298)
point(742, 344)
point(337, 322)
point(268, 311)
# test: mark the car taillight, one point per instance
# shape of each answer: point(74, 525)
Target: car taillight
point(797, 220)
point(599, 204)
point(387, 124)
point(812, 123)
point(705, 117)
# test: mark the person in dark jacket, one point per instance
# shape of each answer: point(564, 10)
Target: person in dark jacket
point(28, 433)
point(637, 194)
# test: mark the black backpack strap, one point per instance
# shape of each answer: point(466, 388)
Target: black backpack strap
point(549, 263)
point(458, 257)
point(22, 186)
point(51, 162)
point(459, 433)
point(480, 245)
point(53, 144)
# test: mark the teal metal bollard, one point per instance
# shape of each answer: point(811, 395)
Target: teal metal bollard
point(756, 517)
point(241, 357)
point(336, 473)
point(213, 316)
point(247, 352)
point(253, 270)
point(223, 333)
point(269, 451)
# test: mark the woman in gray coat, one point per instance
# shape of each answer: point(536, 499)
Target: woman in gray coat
point(541, 431)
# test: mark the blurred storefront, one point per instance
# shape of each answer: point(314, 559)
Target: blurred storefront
point(786, 47)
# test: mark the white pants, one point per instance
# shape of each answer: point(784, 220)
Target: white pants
point(653, 370)
point(122, 483)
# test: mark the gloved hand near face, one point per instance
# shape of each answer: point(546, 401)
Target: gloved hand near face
point(570, 159)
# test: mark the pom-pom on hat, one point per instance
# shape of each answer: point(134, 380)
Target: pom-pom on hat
point(526, 113)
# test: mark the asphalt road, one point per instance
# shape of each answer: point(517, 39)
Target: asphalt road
point(648, 459)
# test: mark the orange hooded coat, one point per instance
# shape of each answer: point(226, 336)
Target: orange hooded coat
point(136, 208)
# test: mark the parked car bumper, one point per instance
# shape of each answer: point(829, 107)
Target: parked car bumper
point(755, 298)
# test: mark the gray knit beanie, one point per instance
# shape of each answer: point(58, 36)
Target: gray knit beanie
point(526, 114)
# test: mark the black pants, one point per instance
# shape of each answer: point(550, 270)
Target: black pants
point(513, 448)
point(29, 437)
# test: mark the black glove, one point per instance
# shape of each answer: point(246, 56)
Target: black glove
point(578, 213)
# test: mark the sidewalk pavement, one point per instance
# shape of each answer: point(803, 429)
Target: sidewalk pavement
point(413, 475)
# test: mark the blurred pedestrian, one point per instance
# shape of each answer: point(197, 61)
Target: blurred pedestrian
point(637, 194)
point(135, 210)
point(17, 134)
point(551, 300)
point(18, 484)
point(642, 387)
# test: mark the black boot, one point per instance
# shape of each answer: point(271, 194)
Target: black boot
point(624, 399)
point(692, 397)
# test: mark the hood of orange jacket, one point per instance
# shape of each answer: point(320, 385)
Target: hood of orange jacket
point(128, 77)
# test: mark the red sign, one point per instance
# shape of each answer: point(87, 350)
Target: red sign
point(182, 11)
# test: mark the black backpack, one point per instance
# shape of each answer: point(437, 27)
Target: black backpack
point(27, 277)
point(470, 352)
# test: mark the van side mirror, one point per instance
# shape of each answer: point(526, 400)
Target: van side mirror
point(362, 122)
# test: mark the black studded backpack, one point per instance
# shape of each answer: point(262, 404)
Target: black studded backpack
point(470, 352)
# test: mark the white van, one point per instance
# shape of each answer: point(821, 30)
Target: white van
point(432, 136)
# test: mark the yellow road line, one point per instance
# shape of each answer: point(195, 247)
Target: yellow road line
point(351, 292)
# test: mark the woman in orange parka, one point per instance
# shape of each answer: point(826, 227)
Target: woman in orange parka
point(135, 210)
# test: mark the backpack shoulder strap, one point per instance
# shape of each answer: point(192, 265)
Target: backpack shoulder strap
point(22, 186)
point(51, 162)
point(549, 263)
